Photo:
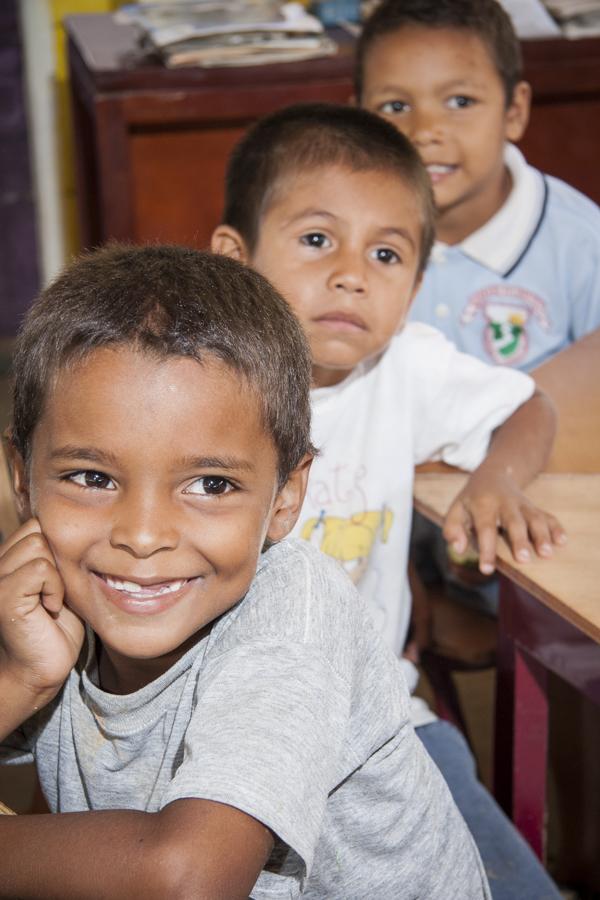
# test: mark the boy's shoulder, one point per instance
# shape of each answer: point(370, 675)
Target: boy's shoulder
point(568, 203)
point(298, 596)
point(422, 351)
point(558, 199)
point(416, 343)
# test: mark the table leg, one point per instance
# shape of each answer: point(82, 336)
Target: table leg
point(521, 740)
point(530, 750)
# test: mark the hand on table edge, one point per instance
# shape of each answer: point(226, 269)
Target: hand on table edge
point(493, 501)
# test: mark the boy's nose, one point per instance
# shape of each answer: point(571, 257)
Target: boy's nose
point(349, 275)
point(144, 527)
point(424, 128)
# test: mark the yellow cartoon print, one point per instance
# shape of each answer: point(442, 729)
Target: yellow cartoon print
point(350, 540)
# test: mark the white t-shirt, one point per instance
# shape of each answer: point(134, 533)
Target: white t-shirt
point(421, 400)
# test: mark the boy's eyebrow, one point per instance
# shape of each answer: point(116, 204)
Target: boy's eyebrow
point(105, 457)
point(228, 463)
point(92, 454)
point(313, 211)
point(308, 211)
point(451, 84)
point(400, 232)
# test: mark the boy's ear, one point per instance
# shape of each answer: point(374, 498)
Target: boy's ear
point(228, 242)
point(288, 502)
point(517, 114)
point(20, 481)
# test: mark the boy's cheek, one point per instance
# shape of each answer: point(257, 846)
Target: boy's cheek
point(64, 532)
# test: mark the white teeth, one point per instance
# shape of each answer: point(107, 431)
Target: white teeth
point(132, 587)
point(439, 169)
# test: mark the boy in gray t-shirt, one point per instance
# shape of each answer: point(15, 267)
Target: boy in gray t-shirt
point(217, 719)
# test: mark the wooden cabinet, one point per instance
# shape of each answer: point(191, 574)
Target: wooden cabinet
point(152, 143)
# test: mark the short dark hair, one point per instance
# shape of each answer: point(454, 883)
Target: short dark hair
point(171, 302)
point(309, 135)
point(485, 18)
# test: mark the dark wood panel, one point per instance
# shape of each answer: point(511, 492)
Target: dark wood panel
point(563, 139)
point(177, 180)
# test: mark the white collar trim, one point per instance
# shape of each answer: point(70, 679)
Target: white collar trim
point(500, 243)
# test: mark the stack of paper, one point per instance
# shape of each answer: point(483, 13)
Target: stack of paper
point(228, 32)
point(577, 18)
point(531, 19)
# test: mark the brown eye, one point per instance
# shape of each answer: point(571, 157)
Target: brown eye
point(209, 485)
point(92, 479)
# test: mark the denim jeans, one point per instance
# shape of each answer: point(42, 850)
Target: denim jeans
point(513, 870)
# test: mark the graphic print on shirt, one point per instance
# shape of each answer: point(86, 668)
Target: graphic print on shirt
point(506, 310)
point(349, 540)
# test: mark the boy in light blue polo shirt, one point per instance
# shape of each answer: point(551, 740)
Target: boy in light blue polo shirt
point(515, 272)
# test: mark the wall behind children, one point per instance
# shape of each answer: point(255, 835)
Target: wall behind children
point(18, 254)
point(51, 140)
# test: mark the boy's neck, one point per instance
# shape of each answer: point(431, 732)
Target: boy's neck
point(323, 377)
point(118, 674)
point(455, 223)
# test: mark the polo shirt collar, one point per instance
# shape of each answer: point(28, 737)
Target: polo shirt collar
point(500, 244)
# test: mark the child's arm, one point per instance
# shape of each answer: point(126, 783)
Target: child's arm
point(191, 849)
point(492, 498)
point(40, 638)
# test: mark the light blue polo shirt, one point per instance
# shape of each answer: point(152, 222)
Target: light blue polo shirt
point(526, 284)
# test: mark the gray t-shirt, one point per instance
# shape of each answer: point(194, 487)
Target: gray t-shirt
point(291, 710)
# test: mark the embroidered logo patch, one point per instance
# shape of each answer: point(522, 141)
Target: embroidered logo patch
point(506, 310)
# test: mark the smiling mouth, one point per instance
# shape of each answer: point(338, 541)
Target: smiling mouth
point(438, 171)
point(143, 591)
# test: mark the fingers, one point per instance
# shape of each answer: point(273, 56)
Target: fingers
point(544, 532)
point(527, 529)
point(457, 526)
point(28, 569)
point(486, 531)
point(557, 532)
point(31, 526)
point(38, 579)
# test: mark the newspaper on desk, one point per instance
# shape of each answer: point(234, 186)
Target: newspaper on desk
point(577, 18)
point(531, 19)
point(229, 32)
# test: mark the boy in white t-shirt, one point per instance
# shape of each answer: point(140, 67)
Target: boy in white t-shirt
point(335, 208)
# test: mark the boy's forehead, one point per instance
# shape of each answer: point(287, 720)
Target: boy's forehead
point(393, 54)
point(317, 188)
point(138, 388)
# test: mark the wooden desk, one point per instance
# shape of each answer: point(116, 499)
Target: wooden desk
point(549, 621)
point(549, 609)
point(572, 380)
point(568, 584)
point(152, 143)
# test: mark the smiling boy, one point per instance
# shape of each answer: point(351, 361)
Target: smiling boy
point(333, 205)
point(209, 718)
point(514, 276)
